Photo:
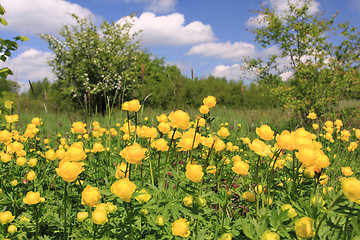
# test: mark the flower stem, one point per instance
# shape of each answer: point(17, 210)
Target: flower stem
point(64, 205)
point(166, 159)
point(36, 223)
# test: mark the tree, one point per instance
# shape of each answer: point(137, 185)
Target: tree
point(95, 67)
point(322, 71)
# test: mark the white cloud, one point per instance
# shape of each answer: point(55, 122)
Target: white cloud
point(234, 51)
point(30, 65)
point(41, 16)
point(280, 7)
point(234, 72)
point(171, 30)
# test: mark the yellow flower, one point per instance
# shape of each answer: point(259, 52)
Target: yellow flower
point(246, 140)
point(351, 188)
point(78, 127)
point(5, 157)
point(352, 146)
point(219, 145)
point(99, 217)
point(36, 121)
point(133, 154)
point(11, 118)
point(204, 109)
point(6, 217)
point(50, 155)
point(209, 101)
point(143, 196)
point(260, 148)
point(90, 196)
point(32, 162)
point(31, 175)
point(250, 196)
point(268, 235)
point(223, 132)
point(81, 216)
point(20, 161)
point(162, 118)
point(160, 220)
point(338, 123)
point(315, 126)
point(12, 229)
point(131, 106)
point(160, 144)
point(181, 228)
point(312, 115)
point(123, 188)
point(324, 179)
point(75, 152)
point(32, 198)
point(147, 132)
point(329, 124)
point(347, 171)
point(303, 227)
point(285, 141)
point(194, 172)
point(265, 132)
point(291, 211)
point(179, 119)
point(211, 169)
point(98, 147)
point(164, 127)
point(226, 236)
point(188, 201)
point(120, 171)
point(69, 171)
point(5, 136)
point(259, 189)
point(241, 168)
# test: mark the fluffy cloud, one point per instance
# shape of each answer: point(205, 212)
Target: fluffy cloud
point(171, 30)
point(41, 16)
point(162, 6)
point(234, 51)
point(281, 6)
point(234, 72)
point(30, 65)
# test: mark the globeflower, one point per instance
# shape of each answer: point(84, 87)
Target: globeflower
point(123, 188)
point(194, 172)
point(181, 228)
point(179, 119)
point(250, 196)
point(5, 137)
point(50, 155)
point(303, 227)
point(241, 168)
point(347, 171)
point(121, 170)
point(6, 217)
point(90, 196)
point(143, 196)
point(265, 132)
point(223, 132)
point(69, 171)
point(133, 154)
point(209, 101)
point(81, 216)
point(131, 106)
point(352, 146)
point(351, 188)
point(312, 115)
point(32, 198)
point(98, 147)
point(260, 148)
point(162, 118)
point(268, 235)
point(78, 127)
point(164, 127)
point(36, 121)
point(99, 217)
point(12, 118)
point(75, 152)
point(160, 145)
point(204, 109)
point(285, 141)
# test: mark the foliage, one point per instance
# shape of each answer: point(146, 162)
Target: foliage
point(323, 73)
point(212, 207)
point(96, 66)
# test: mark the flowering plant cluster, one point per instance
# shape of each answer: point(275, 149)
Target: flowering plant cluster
point(180, 177)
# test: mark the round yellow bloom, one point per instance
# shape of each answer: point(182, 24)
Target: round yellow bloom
point(97, 147)
point(312, 115)
point(120, 171)
point(188, 201)
point(179, 119)
point(5, 136)
point(259, 189)
point(6, 217)
point(291, 211)
point(90, 196)
point(285, 141)
point(265, 132)
point(194, 172)
point(32, 162)
point(204, 109)
point(250, 196)
point(36, 121)
point(12, 229)
point(181, 228)
point(75, 153)
point(241, 168)
point(69, 171)
point(99, 217)
point(81, 216)
point(160, 144)
point(50, 155)
point(347, 171)
point(143, 196)
point(5, 157)
point(133, 154)
point(352, 146)
point(303, 227)
point(223, 132)
point(260, 148)
point(160, 220)
point(20, 161)
point(351, 188)
point(147, 132)
point(78, 127)
point(162, 118)
point(123, 188)
point(31, 175)
point(219, 145)
point(209, 101)
point(12, 118)
point(268, 235)
point(164, 127)
point(329, 124)
point(315, 126)
point(32, 198)
point(246, 140)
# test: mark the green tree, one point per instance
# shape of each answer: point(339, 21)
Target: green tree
point(95, 67)
point(322, 71)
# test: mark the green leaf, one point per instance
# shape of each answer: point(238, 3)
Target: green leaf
point(3, 21)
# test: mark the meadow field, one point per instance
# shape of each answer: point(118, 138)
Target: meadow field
point(199, 173)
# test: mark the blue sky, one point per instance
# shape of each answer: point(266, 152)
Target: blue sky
point(207, 35)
